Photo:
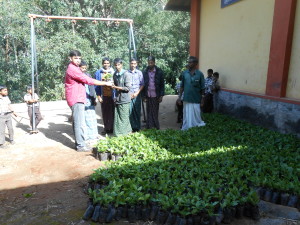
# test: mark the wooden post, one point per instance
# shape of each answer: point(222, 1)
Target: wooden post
point(281, 47)
point(195, 28)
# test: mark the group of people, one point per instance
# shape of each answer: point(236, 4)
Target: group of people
point(195, 94)
point(212, 86)
point(120, 93)
point(32, 101)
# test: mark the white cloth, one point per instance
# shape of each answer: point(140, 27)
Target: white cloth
point(191, 116)
point(4, 104)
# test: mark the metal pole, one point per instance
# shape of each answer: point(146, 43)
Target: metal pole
point(133, 41)
point(36, 70)
point(32, 68)
point(80, 18)
point(48, 18)
point(129, 45)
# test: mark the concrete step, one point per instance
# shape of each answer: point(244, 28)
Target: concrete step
point(274, 210)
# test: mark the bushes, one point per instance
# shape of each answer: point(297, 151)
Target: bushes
point(199, 171)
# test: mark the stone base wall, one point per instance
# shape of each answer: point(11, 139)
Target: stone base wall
point(279, 116)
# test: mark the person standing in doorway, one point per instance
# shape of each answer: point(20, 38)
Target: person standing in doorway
point(122, 84)
point(137, 85)
point(75, 92)
point(106, 96)
point(154, 90)
point(192, 85)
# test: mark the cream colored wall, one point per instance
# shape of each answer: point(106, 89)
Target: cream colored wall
point(235, 41)
point(293, 85)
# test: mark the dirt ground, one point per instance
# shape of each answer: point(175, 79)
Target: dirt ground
point(42, 178)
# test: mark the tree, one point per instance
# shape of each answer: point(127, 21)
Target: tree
point(160, 33)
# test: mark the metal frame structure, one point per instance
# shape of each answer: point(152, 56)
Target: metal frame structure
point(73, 19)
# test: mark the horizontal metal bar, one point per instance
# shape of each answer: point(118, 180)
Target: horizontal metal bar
point(80, 18)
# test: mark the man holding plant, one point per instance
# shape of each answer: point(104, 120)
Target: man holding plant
point(75, 92)
point(193, 86)
point(105, 96)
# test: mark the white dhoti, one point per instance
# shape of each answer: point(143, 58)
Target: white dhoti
point(191, 116)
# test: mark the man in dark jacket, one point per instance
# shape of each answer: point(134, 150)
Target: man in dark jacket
point(153, 92)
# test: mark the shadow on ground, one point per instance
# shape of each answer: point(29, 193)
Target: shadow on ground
point(51, 203)
point(62, 133)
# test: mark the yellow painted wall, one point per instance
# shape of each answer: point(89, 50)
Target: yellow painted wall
point(293, 85)
point(235, 41)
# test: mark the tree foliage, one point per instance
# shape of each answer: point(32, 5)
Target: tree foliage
point(157, 32)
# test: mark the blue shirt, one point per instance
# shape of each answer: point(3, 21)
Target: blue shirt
point(137, 80)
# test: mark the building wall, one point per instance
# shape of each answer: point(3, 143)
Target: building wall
point(275, 115)
point(235, 41)
point(293, 85)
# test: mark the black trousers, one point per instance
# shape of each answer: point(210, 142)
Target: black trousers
point(208, 104)
point(180, 112)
